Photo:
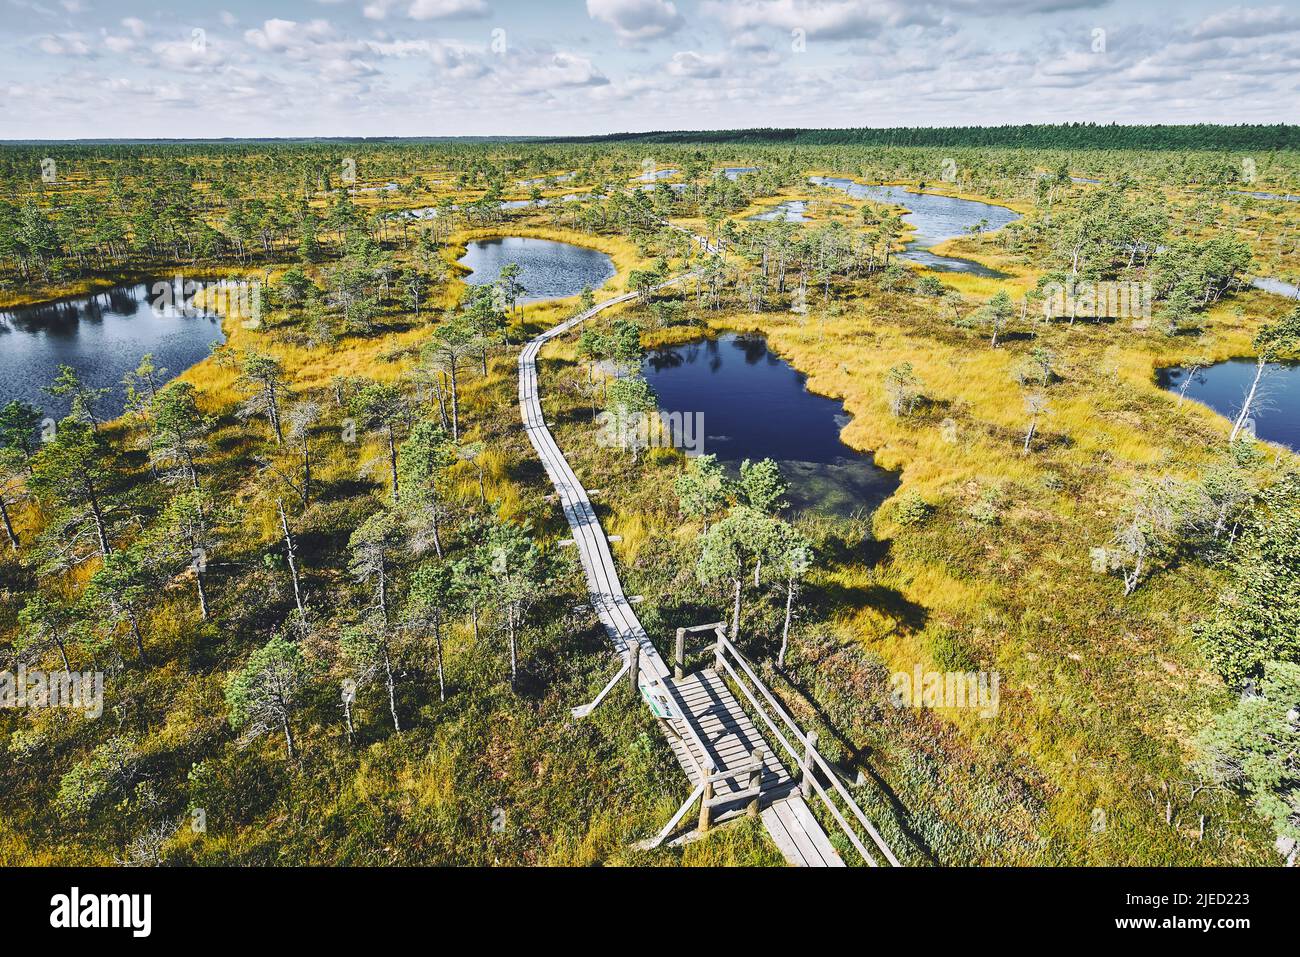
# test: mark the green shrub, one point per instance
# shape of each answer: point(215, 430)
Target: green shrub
point(912, 509)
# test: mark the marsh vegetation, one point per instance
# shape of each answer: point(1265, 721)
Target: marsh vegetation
point(320, 571)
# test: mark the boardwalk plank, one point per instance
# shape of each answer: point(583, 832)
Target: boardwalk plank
point(829, 855)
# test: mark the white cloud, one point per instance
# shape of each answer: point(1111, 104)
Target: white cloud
point(635, 20)
point(275, 35)
point(350, 68)
point(749, 40)
point(1000, 7)
point(690, 64)
point(66, 44)
point(446, 9)
point(426, 9)
point(553, 71)
point(290, 36)
point(1147, 71)
point(187, 56)
point(458, 62)
point(821, 19)
point(860, 19)
point(1247, 22)
point(929, 62)
point(1076, 64)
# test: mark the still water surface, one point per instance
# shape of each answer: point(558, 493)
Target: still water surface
point(102, 337)
point(1223, 388)
point(756, 405)
point(548, 270)
point(935, 218)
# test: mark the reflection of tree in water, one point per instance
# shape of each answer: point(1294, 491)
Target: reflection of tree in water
point(57, 319)
point(1175, 378)
point(843, 487)
point(102, 336)
point(660, 359)
point(764, 409)
point(753, 347)
point(715, 354)
point(125, 302)
point(60, 319)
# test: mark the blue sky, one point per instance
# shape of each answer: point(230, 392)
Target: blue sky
point(94, 68)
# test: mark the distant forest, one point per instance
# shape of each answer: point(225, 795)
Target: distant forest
point(1091, 136)
point(1063, 136)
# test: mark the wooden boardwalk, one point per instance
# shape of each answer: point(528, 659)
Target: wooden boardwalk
point(709, 731)
point(727, 737)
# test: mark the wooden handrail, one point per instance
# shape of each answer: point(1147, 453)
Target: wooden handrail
point(679, 706)
point(839, 819)
point(761, 713)
point(679, 651)
point(725, 645)
point(699, 771)
point(853, 806)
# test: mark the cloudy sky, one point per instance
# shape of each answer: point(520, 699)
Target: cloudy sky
point(156, 68)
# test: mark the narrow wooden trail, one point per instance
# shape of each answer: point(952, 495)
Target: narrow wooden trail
point(712, 736)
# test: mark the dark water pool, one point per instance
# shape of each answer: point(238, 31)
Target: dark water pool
point(936, 218)
point(103, 337)
point(548, 270)
point(756, 405)
point(1223, 388)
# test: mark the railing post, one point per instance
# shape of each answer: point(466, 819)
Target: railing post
point(756, 780)
point(634, 665)
point(717, 650)
point(808, 768)
point(705, 797)
point(679, 659)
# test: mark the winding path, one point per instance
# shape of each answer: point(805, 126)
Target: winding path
point(608, 599)
point(787, 818)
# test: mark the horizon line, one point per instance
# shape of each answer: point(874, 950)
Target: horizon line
point(517, 137)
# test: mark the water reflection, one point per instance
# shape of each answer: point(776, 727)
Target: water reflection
point(936, 219)
point(1223, 387)
point(547, 269)
point(103, 337)
point(756, 405)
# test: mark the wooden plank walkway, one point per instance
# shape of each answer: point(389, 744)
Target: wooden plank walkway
point(706, 714)
point(798, 835)
point(726, 736)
